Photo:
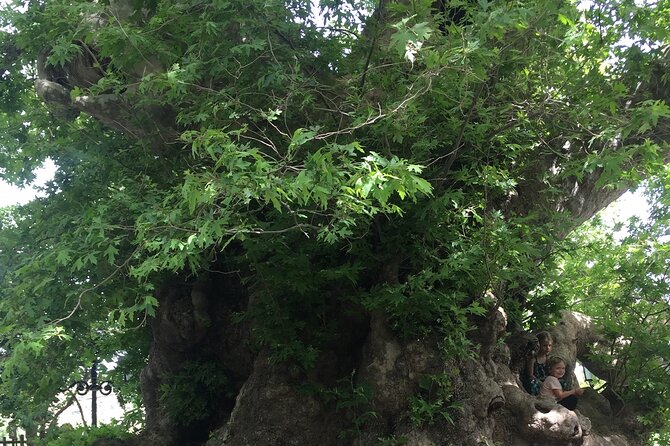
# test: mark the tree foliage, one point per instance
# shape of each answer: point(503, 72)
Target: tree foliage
point(368, 156)
point(622, 282)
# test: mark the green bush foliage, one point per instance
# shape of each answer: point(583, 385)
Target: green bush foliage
point(354, 401)
point(435, 401)
point(193, 393)
point(83, 435)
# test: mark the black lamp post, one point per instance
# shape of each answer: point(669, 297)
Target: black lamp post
point(105, 388)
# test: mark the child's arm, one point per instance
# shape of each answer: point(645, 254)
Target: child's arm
point(560, 394)
point(530, 367)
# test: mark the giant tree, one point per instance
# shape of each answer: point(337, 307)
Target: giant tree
point(318, 213)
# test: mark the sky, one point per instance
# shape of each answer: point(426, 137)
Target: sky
point(628, 205)
point(10, 194)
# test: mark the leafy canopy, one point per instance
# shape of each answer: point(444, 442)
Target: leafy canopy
point(368, 157)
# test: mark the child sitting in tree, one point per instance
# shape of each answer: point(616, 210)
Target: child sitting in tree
point(536, 370)
point(552, 386)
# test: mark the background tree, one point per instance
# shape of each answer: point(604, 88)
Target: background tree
point(622, 282)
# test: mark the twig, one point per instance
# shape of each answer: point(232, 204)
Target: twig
point(340, 30)
point(457, 145)
point(81, 410)
point(381, 115)
point(258, 231)
point(59, 412)
point(128, 37)
point(106, 279)
point(377, 21)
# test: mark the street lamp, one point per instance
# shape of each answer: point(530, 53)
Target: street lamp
point(82, 388)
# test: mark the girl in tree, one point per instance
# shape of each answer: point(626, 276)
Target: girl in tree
point(552, 386)
point(536, 370)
